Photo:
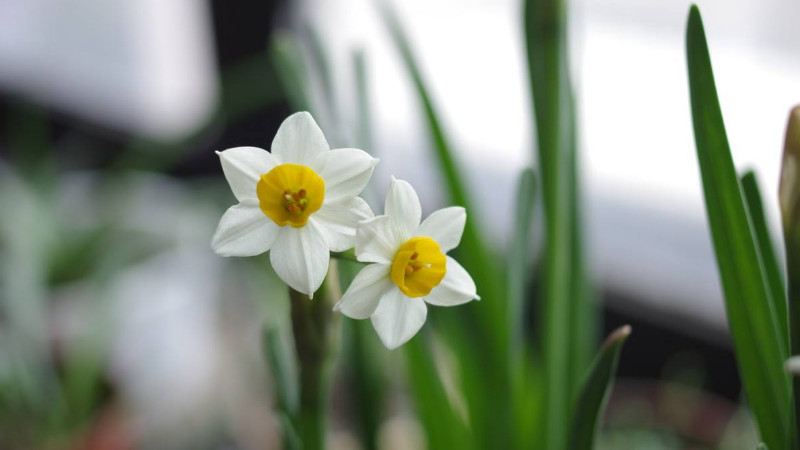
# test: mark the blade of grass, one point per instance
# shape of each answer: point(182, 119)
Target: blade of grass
point(488, 391)
point(285, 389)
point(444, 428)
point(594, 394)
point(760, 350)
point(568, 318)
point(789, 196)
point(285, 54)
point(766, 249)
point(519, 260)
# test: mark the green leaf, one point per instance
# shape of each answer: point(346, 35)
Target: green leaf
point(285, 54)
point(760, 350)
point(766, 249)
point(762, 446)
point(595, 391)
point(444, 428)
point(789, 196)
point(482, 324)
point(568, 318)
point(519, 259)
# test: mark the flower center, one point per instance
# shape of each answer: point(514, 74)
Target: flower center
point(418, 266)
point(289, 193)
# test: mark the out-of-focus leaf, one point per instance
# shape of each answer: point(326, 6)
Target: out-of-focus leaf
point(364, 112)
point(443, 426)
point(760, 349)
point(594, 393)
point(277, 357)
point(567, 320)
point(789, 196)
point(285, 54)
point(519, 259)
point(482, 324)
point(755, 208)
point(762, 446)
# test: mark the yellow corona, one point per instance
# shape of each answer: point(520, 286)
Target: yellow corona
point(418, 266)
point(289, 193)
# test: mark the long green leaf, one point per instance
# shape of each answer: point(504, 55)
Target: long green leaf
point(285, 55)
point(594, 394)
point(760, 350)
point(766, 250)
point(789, 196)
point(518, 266)
point(444, 428)
point(484, 323)
point(568, 317)
point(285, 389)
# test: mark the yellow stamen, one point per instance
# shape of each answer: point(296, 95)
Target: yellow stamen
point(289, 193)
point(418, 267)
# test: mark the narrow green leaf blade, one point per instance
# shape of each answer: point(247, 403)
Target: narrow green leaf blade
point(766, 249)
point(789, 196)
point(518, 266)
point(487, 392)
point(443, 426)
point(568, 319)
point(595, 391)
point(760, 351)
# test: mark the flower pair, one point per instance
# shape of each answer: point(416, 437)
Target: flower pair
point(301, 202)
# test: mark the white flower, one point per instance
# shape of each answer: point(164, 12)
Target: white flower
point(299, 202)
point(410, 266)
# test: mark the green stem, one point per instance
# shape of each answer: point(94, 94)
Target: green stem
point(316, 340)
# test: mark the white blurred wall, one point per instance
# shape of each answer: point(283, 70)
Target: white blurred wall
point(141, 66)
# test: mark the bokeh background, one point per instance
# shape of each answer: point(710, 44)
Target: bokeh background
point(119, 327)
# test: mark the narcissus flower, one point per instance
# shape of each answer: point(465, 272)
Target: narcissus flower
point(299, 202)
point(411, 266)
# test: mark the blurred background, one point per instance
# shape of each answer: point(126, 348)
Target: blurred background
point(119, 327)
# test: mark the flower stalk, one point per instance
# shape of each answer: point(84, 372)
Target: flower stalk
point(316, 336)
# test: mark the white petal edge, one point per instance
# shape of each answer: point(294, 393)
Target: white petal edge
point(456, 288)
point(299, 140)
point(244, 230)
point(365, 291)
point(337, 221)
point(300, 258)
point(402, 205)
point(243, 167)
point(398, 318)
point(346, 172)
point(445, 226)
point(378, 239)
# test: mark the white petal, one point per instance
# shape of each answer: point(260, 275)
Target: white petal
point(366, 290)
point(402, 205)
point(300, 258)
point(445, 226)
point(337, 221)
point(244, 230)
point(398, 318)
point(299, 140)
point(456, 288)
point(243, 167)
point(346, 172)
point(378, 239)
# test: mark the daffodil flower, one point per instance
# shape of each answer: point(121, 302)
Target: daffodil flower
point(410, 267)
point(299, 202)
